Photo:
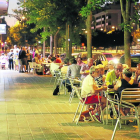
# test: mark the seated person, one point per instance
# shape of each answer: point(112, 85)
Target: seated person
point(123, 83)
point(137, 73)
point(114, 74)
point(72, 72)
point(98, 61)
point(85, 68)
point(100, 79)
point(64, 69)
point(48, 60)
point(42, 60)
point(35, 59)
point(54, 66)
point(79, 61)
point(58, 60)
point(90, 90)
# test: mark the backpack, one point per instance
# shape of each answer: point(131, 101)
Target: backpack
point(56, 91)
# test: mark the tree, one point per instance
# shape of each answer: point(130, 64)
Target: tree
point(127, 26)
point(14, 35)
point(54, 15)
point(86, 11)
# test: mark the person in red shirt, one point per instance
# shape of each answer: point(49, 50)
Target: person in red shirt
point(58, 60)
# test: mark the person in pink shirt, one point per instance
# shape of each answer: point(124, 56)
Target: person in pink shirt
point(58, 60)
point(79, 61)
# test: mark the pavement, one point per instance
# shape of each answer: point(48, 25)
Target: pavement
point(29, 111)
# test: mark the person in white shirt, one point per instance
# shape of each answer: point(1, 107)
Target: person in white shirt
point(90, 90)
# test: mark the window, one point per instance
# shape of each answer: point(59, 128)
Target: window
point(103, 22)
point(109, 23)
point(108, 55)
point(98, 18)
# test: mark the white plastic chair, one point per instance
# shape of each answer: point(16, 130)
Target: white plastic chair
point(32, 65)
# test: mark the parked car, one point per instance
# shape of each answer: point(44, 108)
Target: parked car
point(95, 55)
point(135, 59)
point(109, 57)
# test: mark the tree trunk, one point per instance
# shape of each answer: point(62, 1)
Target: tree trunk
point(44, 44)
point(51, 44)
point(55, 42)
point(88, 24)
point(127, 48)
point(67, 48)
point(70, 40)
point(126, 17)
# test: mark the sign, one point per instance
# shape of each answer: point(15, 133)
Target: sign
point(2, 28)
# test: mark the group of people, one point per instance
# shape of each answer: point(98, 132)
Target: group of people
point(19, 59)
point(117, 77)
point(95, 81)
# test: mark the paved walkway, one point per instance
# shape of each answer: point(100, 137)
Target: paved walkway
point(29, 111)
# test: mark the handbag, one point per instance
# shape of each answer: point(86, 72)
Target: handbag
point(56, 91)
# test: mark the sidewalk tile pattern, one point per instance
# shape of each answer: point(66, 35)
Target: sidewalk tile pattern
point(29, 111)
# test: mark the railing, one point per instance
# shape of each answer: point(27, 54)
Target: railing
point(83, 49)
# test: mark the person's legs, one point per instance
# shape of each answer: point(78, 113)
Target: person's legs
point(103, 102)
point(17, 67)
point(27, 65)
point(9, 64)
point(20, 63)
point(25, 68)
point(126, 111)
point(103, 105)
point(12, 64)
point(68, 86)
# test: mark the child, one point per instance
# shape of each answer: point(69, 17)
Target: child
point(16, 62)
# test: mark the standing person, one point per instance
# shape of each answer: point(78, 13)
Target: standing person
point(24, 59)
point(11, 55)
point(33, 53)
point(29, 58)
point(19, 60)
point(16, 64)
point(15, 49)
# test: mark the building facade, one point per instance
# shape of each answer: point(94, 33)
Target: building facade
point(110, 18)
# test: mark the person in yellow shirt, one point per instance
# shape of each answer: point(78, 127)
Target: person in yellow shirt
point(114, 74)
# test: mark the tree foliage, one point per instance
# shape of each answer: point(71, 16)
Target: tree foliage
point(51, 14)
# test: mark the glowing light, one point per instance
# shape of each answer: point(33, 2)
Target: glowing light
point(113, 27)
